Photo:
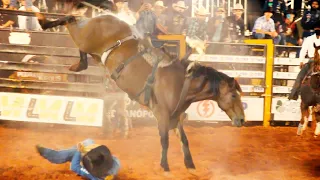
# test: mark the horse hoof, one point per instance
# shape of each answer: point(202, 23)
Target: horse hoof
point(193, 172)
point(78, 67)
point(168, 174)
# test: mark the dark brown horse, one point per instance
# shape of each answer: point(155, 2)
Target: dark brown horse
point(310, 95)
point(130, 70)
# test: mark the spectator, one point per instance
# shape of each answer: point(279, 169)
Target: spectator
point(233, 28)
point(264, 28)
point(278, 7)
point(177, 22)
point(147, 20)
point(197, 28)
point(289, 33)
point(310, 18)
point(124, 12)
point(28, 4)
point(158, 10)
point(215, 25)
point(7, 20)
point(28, 22)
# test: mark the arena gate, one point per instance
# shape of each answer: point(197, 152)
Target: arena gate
point(36, 85)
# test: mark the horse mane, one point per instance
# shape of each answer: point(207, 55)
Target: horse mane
point(215, 78)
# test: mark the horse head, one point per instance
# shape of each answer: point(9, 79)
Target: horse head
point(221, 88)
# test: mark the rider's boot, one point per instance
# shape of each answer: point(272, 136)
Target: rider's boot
point(294, 95)
point(81, 65)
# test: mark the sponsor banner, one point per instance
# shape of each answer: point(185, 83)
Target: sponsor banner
point(285, 110)
point(229, 59)
point(132, 108)
point(285, 75)
point(209, 111)
point(288, 61)
point(281, 89)
point(51, 109)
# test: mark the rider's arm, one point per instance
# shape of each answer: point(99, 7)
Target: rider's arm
point(304, 49)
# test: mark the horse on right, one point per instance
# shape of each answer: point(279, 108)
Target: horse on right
point(310, 95)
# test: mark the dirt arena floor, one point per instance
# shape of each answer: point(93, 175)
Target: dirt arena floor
point(219, 153)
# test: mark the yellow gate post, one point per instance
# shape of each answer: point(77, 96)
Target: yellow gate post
point(268, 77)
point(180, 38)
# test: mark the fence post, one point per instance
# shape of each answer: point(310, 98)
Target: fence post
point(268, 77)
point(180, 38)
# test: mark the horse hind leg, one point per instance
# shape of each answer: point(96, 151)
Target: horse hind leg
point(82, 64)
point(185, 148)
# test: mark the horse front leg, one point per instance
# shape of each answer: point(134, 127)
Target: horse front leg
point(82, 64)
point(304, 119)
point(317, 118)
point(163, 127)
point(47, 24)
point(185, 148)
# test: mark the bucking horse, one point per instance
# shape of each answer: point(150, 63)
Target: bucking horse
point(151, 77)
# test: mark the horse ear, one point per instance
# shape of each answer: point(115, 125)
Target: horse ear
point(314, 45)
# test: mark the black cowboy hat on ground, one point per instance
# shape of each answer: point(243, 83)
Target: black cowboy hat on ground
point(98, 161)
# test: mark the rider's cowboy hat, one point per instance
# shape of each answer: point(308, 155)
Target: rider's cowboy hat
point(180, 4)
point(159, 4)
point(202, 12)
point(238, 6)
point(98, 161)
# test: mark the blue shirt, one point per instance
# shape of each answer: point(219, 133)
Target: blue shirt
point(262, 24)
point(80, 170)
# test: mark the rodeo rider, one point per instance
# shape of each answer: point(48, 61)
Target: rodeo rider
point(97, 161)
point(307, 49)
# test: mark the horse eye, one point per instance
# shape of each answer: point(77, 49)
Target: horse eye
point(234, 96)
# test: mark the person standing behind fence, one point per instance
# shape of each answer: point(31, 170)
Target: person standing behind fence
point(215, 25)
point(264, 28)
point(233, 27)
point(198, 25)
point(7, 20)
point(28, 22)
point(177, 22)
point(28, 5)
point(278, 7)
point(309, 19)
point(289, 29)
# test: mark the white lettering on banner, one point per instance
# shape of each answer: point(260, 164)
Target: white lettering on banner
point(209, 110)
point(285, 75)
point(227, 59)
point(285, 110)
point(244, 74)
point(51, 109)
point(287, 61)
point(281, 89)
point(250, 88)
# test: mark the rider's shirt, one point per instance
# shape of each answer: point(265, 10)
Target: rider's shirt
point(308, 47)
